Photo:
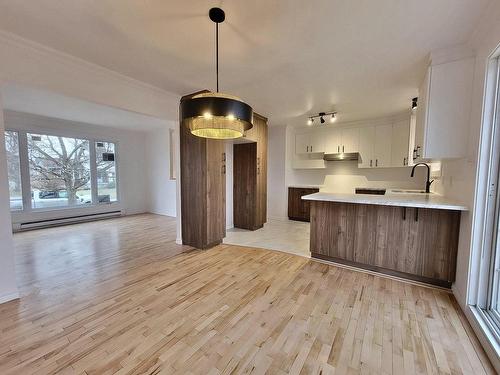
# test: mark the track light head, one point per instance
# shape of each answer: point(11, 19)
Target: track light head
point(310, 121)
point(414, 103)
point(333, 118)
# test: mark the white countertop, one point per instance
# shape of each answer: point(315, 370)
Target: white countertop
point(391, 199)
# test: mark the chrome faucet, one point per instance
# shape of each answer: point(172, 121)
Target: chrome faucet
point(428, 182)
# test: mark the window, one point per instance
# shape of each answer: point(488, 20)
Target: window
point(14, 170)
point(48, 171)
point(106, 172)
point(485, 273)
point(59, 171)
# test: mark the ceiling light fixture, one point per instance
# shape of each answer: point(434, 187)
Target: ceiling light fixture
point(414, 103)
point(212, 114)
point(321, 116)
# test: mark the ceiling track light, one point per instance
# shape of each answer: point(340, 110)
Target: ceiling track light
point(321, 116)
point(414, 102)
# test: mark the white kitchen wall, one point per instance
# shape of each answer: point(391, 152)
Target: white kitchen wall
point(459, 176)
point(131, 160)
point(161, 192)
point(8, 288)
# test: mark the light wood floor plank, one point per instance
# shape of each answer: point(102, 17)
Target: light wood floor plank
point(120, 297)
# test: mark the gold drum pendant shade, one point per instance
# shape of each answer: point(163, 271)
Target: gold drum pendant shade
point(216, 116)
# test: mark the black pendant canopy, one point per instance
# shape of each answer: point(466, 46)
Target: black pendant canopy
point(216, 115)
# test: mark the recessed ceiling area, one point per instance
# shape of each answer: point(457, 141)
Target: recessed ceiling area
point(49, 104)
point(288, 59)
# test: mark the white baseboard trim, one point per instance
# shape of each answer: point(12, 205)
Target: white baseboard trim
point(178, 241)
point(9, 297)
point(279, 218)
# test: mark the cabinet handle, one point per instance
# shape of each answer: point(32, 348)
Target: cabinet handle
point(371, 163)
point(404, 161)
point(342, 148)
point(404, 213)
point(416, 214)
point(223, 169)
point(338, 149)
point(258, 170)
point(418, 151)
point(311, 148)
point(376, 162)
point(307, 149)
point(414, 153)
point(223, 156)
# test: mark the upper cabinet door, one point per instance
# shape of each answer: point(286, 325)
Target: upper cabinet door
point(302, 143)
point(317, 142)
point(365, 147)
point(350, 140)
point(332, 141)
point(400, 139)
point(382, 149)
point(443, 112)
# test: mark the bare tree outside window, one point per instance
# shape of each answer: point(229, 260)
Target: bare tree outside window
point(59, 170)
point(14, 170)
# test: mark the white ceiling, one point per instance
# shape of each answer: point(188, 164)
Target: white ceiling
point(45, 103)
point(363, 58)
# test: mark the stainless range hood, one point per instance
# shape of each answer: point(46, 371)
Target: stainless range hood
point(341, 156)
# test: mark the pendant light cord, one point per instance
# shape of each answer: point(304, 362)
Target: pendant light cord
point(217, 53)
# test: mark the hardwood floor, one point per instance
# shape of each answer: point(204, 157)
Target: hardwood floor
point(117, 296)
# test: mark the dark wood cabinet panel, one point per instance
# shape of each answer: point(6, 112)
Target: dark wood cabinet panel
point(410, 242)
point(299, 209)
point(203, 187)
point(250, 177)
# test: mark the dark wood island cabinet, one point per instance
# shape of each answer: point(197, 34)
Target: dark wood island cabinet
point(415, 243)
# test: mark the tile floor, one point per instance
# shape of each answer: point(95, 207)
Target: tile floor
point(283, 235)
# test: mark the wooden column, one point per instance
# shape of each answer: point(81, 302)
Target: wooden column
point(203, 189)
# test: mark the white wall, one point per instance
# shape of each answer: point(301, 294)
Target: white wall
point(8, 288)
point(162, 193)
point(276, 165)
point(131, 161)
point(459, 176)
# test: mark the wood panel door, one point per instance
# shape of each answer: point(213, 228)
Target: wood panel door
point(245, 185)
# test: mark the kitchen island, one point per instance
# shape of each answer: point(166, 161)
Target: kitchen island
point(414, 236)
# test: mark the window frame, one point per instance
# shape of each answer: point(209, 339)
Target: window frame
point(25, 170)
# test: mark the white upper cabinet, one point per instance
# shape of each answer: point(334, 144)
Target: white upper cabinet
point(400, 139)
point(349, 140)
point(443, 111)
point(365, 147)
point(302, 143)
point(309, 143)
point(383, 145)
point(332, 141)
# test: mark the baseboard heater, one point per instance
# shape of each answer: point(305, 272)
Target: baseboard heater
point(67, 220)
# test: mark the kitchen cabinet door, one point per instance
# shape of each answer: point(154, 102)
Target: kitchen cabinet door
point(302, 143)
point(382, 147)
point(365, 147)
point(350, 140)
point(400, 139)
point(332, 141)
point(316, 142)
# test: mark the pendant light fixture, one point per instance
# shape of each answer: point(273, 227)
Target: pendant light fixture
point(213, 114)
